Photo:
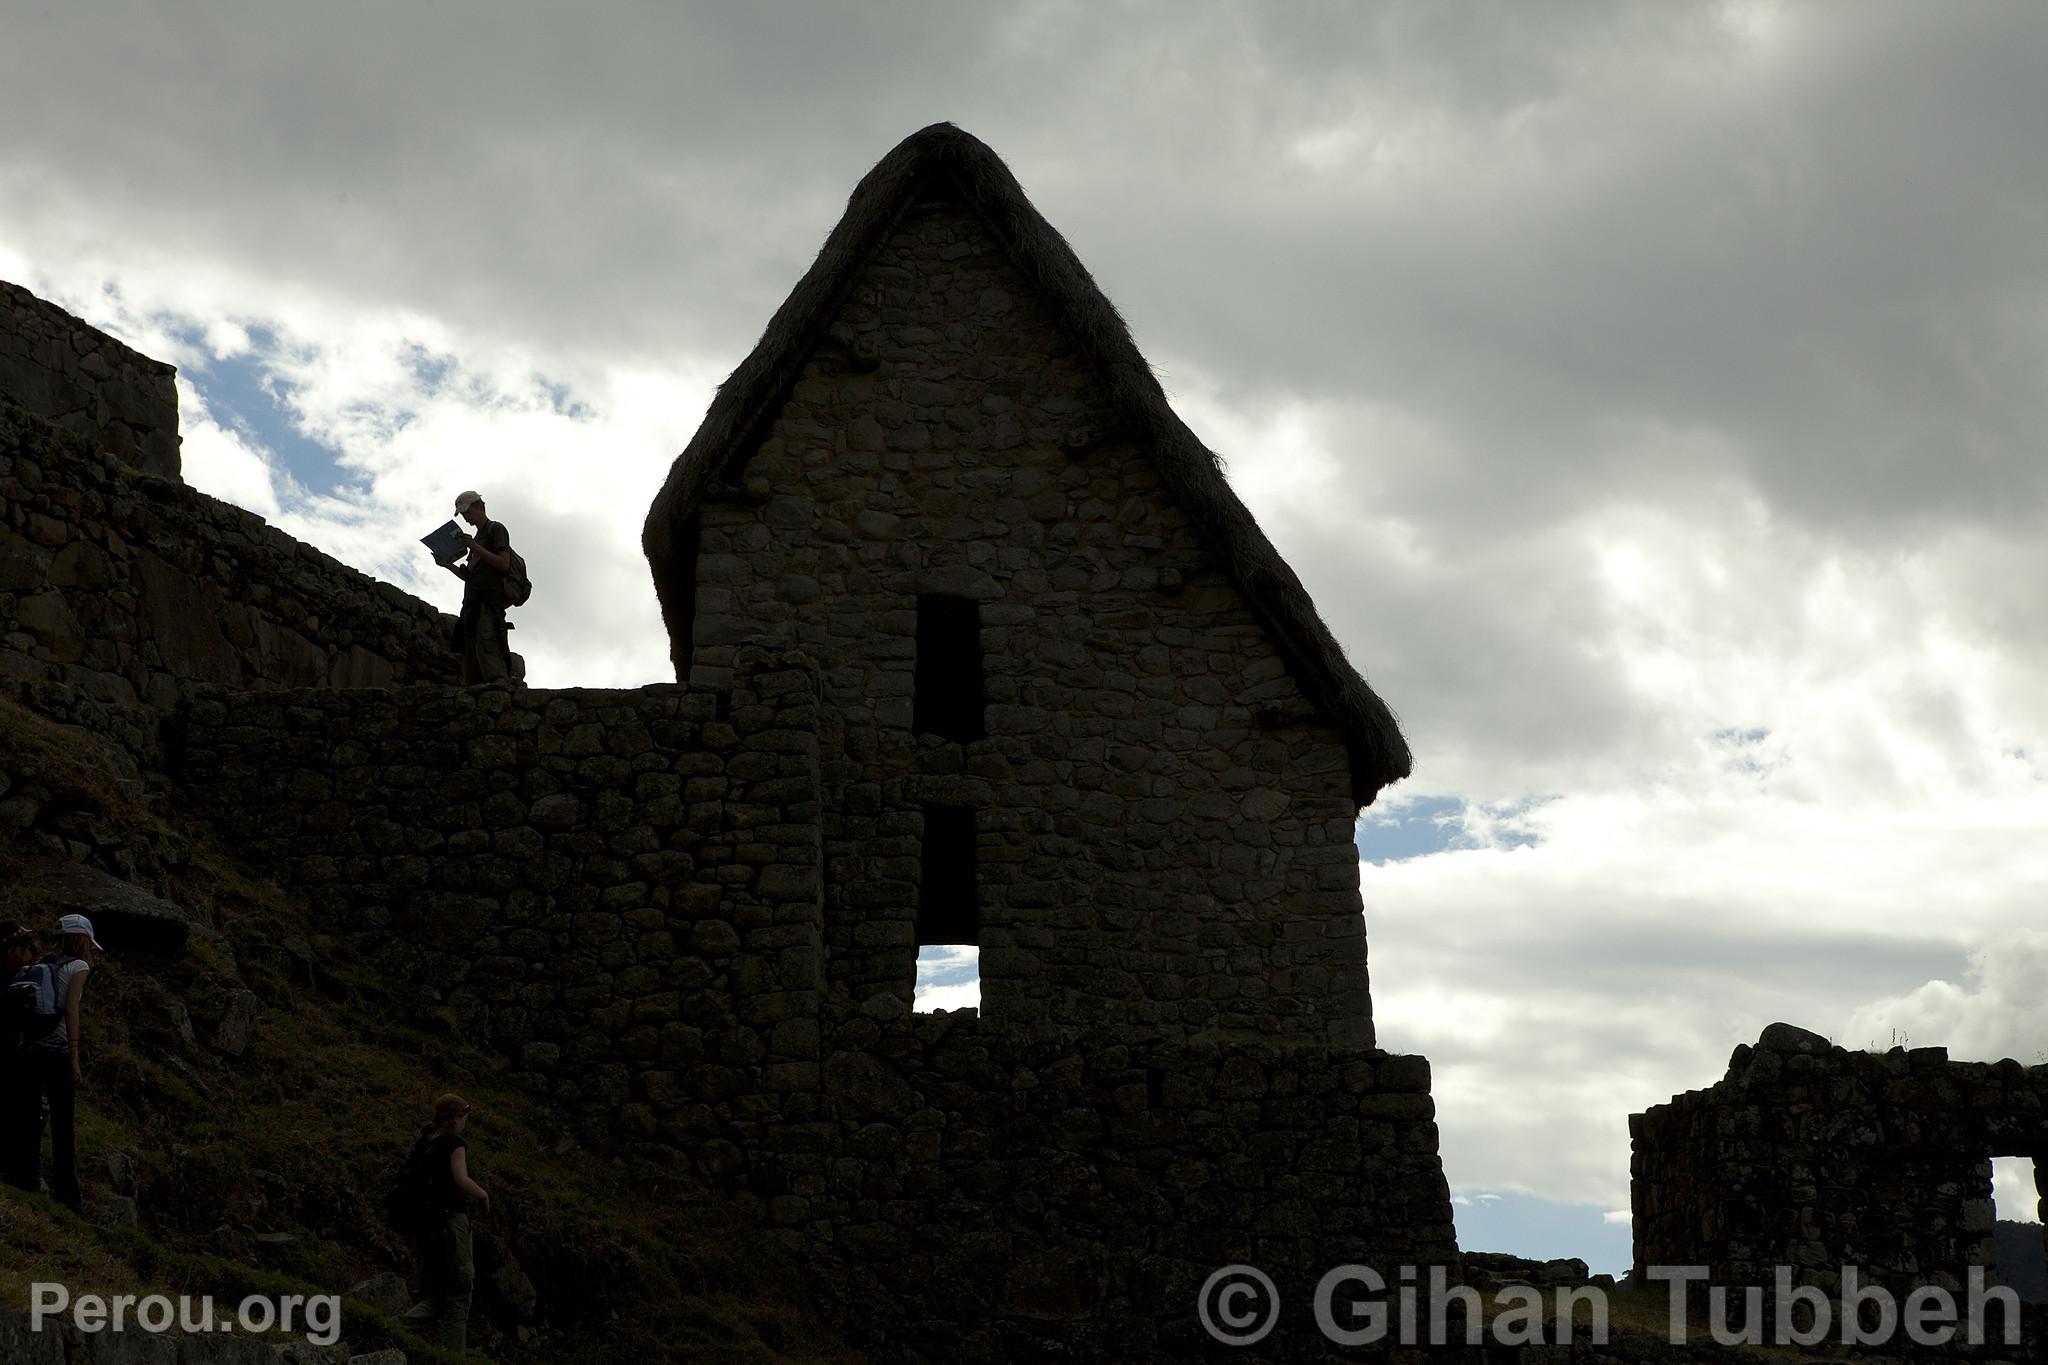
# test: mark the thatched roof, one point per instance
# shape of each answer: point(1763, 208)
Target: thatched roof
point(975, 175)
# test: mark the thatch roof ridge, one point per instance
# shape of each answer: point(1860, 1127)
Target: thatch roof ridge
point(1379, 755)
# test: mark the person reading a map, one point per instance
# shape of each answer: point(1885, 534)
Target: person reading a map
point(480, 639)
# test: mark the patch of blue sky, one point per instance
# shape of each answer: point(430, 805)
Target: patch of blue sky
point(245, 394)
point(559, 401)
point(1543, 1230)
point(1746, 749)
point(438, 375)
point(1422, 825)
point(1413, 829)
point(431, 371)
point(1734, 736)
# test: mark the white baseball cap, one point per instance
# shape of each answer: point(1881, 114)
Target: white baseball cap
point(465, 498)
point(78, 924)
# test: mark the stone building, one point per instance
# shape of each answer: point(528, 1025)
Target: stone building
point(973, 644)
point(1077, 709)
point(1817, 1157)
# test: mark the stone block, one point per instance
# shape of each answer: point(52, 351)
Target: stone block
point(47, 616)
point(126, 919)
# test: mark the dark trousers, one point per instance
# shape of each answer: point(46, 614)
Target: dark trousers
point(481, 643)
point(21, 1120)
point(35, 1072)
point(447, 1280)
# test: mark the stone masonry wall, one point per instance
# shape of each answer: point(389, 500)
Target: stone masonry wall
point(990, 1193)
point(1163, 827)
point(618, 889)
point(85, 382)
point(68, 819)
point(1817, 1157)
point(622, 891)
point(133, 588)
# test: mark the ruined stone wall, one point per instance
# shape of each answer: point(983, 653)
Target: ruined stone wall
point(85, 382)
point(1163, 830)
point(132, 588)
point(1817, 1157)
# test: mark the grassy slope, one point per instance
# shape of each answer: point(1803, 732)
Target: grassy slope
point(298, 1136)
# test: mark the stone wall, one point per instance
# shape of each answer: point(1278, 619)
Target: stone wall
point(131, 736)
point(1816, 1157)
point(617, 889)
point(57, 804)
point(622, 890)
point(1163, 828)
point(978, 1192)
point(132, 588)
point(79, 378)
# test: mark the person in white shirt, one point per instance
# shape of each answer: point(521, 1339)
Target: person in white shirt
point(54, 1067)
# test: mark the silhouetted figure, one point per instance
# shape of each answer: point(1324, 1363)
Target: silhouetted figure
point(440, 1231)
point(480, 632)
point(21, 1100)
point(50, 1065)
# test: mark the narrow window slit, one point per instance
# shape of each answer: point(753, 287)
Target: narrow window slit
point(947, 909)
point(948, 701)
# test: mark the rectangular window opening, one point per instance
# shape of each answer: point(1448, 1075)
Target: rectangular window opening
point(947, 909)
point(948, 700)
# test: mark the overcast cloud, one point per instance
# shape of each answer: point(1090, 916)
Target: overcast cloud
point(1650, 396)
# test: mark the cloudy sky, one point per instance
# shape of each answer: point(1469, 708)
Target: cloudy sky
point(1650, 396)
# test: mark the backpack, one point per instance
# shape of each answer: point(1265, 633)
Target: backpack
point(406, 1198)
point(518, 587)
point(35, 1007)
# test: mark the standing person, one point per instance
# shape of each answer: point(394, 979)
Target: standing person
point(480, 631)
point(54, 1062)
point(442, 1241)
point(21, 1097)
